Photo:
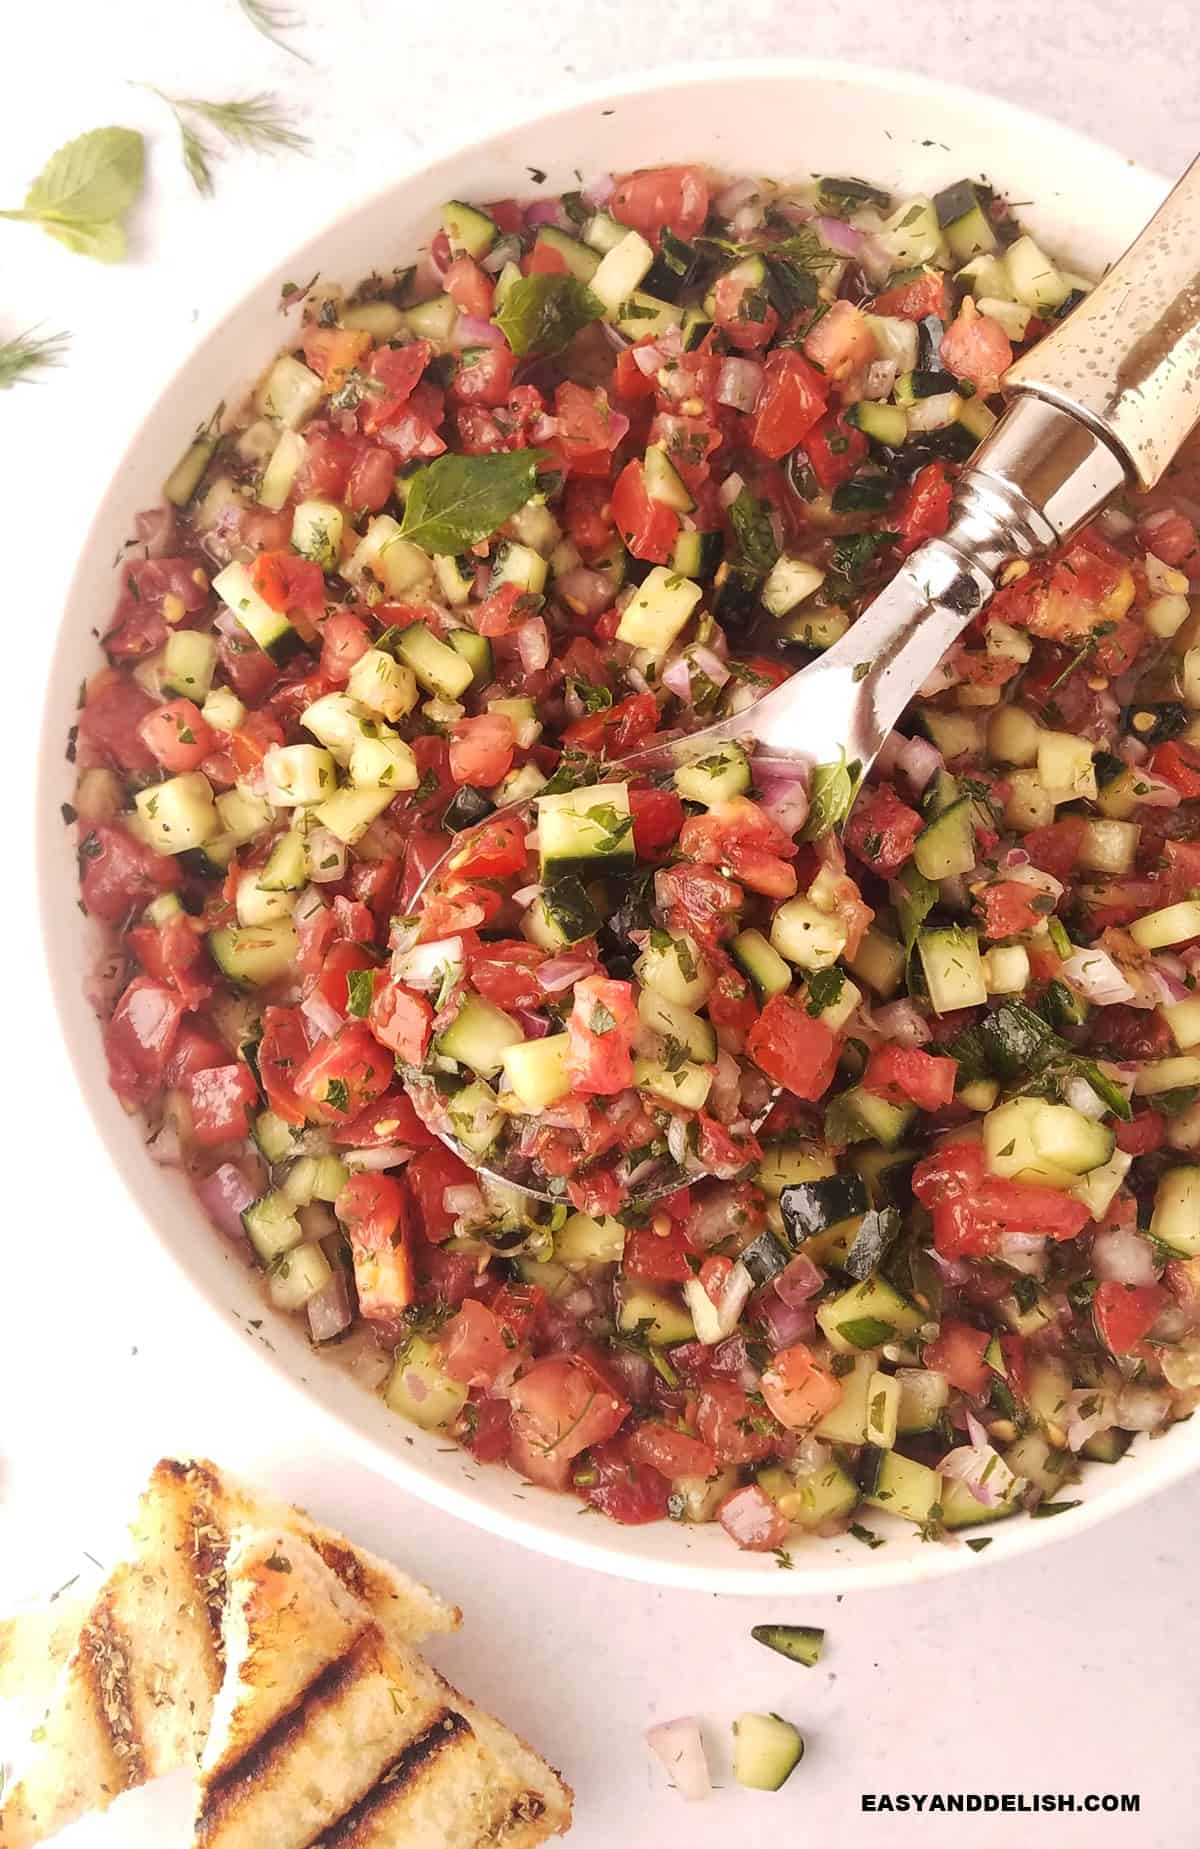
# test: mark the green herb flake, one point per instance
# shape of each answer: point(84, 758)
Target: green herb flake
point(751, 520)
point(360, 991)
point(541, 313)
point(867, 1331)
point(867, 1536)
point(831, 797)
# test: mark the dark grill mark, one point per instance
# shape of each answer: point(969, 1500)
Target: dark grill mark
point(444, 1731)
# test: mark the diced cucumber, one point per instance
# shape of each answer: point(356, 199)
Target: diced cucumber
point(673, 965)
point(479, 1036)
point(298, 774)
point(664, 482)
point(519, 565)
point(1065, 766)
point(290, 393)
point(314, 1178)
point(678, 1024)
point(1183, 1019)
point(660, 1318)
point(880, 962)
point(956, 735)
point(298, 1275)
point(456, 579)
point(189, 663)
point(178, 814)
point(384, 762)
point(1098, 1189)
point(381, 320)
point(1030, 1139)
point(789, 581)
point(961, 1509)
point(886, 1122)
point(255, 957)
point(911, 235)
point(379, 684)
point(1173, 924)
point(349, 813)
point(184, 479)
point(924, 1396)
point(812, 1497)
point(686, 1085)
point(766, 1751)
point(420, 1389)
point(475, 649)
point(846, 1423)
point(786, 1165)
point(952, 966)
point(275, 1138)
point(717, 778)
point(282, 467)
point(525, 722)
point(659, 610)
point(1027, 1317)
point(222, 710)
point(883, 1409)
point(1107, 1447)
point(622, 267)
point(535, 1071)
point(337, 721)
point(884, 423)
point(433, 319)
point(317, 528)
point(806, 936)
point(988, 276)
point(438, 668)
point(243, 816)
point(400, 569)
point(256, 906)
point(1034, 279)
point(269, 628)
point(899, 1485)
point(836, 1013)
point(1175, 1223)
point(1032, 1457)
point(696, 554)
point(272, 1227)
point(581, 261)
point(818, 629)
point(589, 1240)
point(1013, 317)
point(469, 231)
point(895, 339)
point(867, 1315)
point(1013, 737)
point(640, 315)
point(946, 846)
point(563, 914)
point(697, 1499)
point(1006, 969)
point(1154, 1076)
point(476, 1117)
point(759, 960)
point(585, 832)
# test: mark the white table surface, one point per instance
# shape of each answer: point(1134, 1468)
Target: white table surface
point(1075, 1671)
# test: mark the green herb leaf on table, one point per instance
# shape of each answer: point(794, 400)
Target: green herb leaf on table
point(273, 21)
point(542, 313)
point(751, 519)
point(458, 500)
point(831, 798)
point(84, 191)
point(27, 354)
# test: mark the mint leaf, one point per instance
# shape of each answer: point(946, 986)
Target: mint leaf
point(459, 500)
point(542, 313)
point(751, 520)
point(834, 787)
point(85, 189)
point(360, 991)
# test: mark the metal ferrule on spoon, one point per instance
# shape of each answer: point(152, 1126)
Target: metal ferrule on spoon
point(1105, 400)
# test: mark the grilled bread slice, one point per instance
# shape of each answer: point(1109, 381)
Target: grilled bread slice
point(135, 1696)
point(328, 1731)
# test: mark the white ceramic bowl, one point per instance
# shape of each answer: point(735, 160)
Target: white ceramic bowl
point(781, 118)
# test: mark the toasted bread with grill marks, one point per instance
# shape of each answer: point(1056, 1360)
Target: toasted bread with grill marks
point(328, 1731)
point(135, 1696)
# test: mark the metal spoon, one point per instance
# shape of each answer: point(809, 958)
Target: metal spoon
point(1107, 398)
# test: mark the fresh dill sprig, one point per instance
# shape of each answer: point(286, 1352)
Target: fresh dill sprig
point(273, 21)
point(25, 355)
point(256, 122)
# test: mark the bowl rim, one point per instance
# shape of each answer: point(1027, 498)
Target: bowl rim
point(408, 1474)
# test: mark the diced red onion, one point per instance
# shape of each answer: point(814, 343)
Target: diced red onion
point(599, 191)
point(1171, 985)
point(1124, 1257)
point(1094, 975)
point(729, 490)
point(889, 753)
point(799, 1281)
point(1029, 875)
point(545, 212)
point(904, 1023)
point(1081, 1425)
point(526, 896)
point(463, 1199)
point(726, 1089)
point(918, 761)
point(560, 973)
point(647, 359)
point(504, 250)
point(945, 675)
point(1024, 1252)
point(106, 979)
point(534, 1026)
point(735, 1292)
point(1140, 1409)
point(1081, 1097)
point(846, 239)
point(783, 793)
point(710, 664)
point(320, 1014)
point(391, 1155)
point(735, 196)
point(982, 1470)
point(677, 678)
point(1115, 525)
point(326, 856)
point(880, 379)
point(423, 966)
point(1157, 793)
point(747, 219)
point(588, 592)
point(634, 1373)
point(678, 1747)
point(784, 1323)
point(738, 384)
point(329, 1309)
point(225, 1195)
point(473, 331)
point(155, 530)
point(533, 645)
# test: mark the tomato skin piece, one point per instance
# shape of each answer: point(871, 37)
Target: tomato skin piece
point(972, 1209)
point(588, 428)
point(923, 510)
point(401, 1021)
point(120, 872)
point(483, 376)
point(281, 1053)
point(975, 347)
point(222, 1100)
point(173, 952)
point(744, 316)
point(600, 1030)
point(481, 749)
point(702, 901)
point(655, 199)
point(139, 1036)
point(398, 370)
point(1009, 908)
point(728, 1420)
point(1179, 764)
point(833, 466)
point(342, 1075)
point(387, 1121)
point(904, 1074)
point(506, 973)
point(957, 1352)
point(741, 836)
point(562, 1405)
point(791, 399)
point(671, 1452)
point(1056, 848)
point(177, 735)
point(649, 528)
point(588, 516)
point(345, 638)
point(1124, 1314)
point(472, 1345)
point(913, 301)
point(617, 729)
point(469, 288)
point(429, 1175)
point(791, 1047)
point(650, 1259)
point(373, 1210)
point(882, 829)
point(288, 582)
point(1146, 1133)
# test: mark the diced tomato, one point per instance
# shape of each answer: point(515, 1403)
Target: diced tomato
point(372, 481)
point(483, 1427)
point(724, 1154)
point(923, 510)
point(731, 1005)
point(249, 671)
point(882, 829)
point(629, 381)
point(742, 837)
point(1171, 537)
point(957, 1353)
point(1010, 908)
point(600, 1031)
point(111, 721)
point(751, 1518)
point(975, 347)
point(1125, 1313)
point(658, 198)
point(798, 1390)
point(472, 1345)
point(196, 1048)
point(505, 973)
point(223, 1100)
point(597, 1194)
point(914, 300)
point(588, 428)
point(328, 459)
point(483, 376)
point(909, 1075)
point(700, 900)
point(374, 1215)
point(657, 820)
point(140, 1035)
point(519, 1308)
point(342, 960)
point(173, 952)
point(177, 735)
point(1179, 764)
point(1146, 1133)
point(252, 739)
point(397, 370)
point(622, 1486)
point(1056, 847)
point(1126, 1033)
point(332, 352)
point(429, 1175)
point(387, 1122)
point(651, 1259)
point(469, 288)
point(841, 343)
point(281, 1053)
point(728, 1420)
point(401, 1021)
point(1182, 871)
point(544, 260)
point(373, 883)
point(673, 1453)
point(288, 582)
point(791, 399)
point(793, 1048)
point(562, 1405)
point(481, 750)
point(649, 528)
point(973, 1209)
point(119, 872)
point(616, 729)
point(587, 514)
point(835, 449)
point(342, 1075)
point(743, 313)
